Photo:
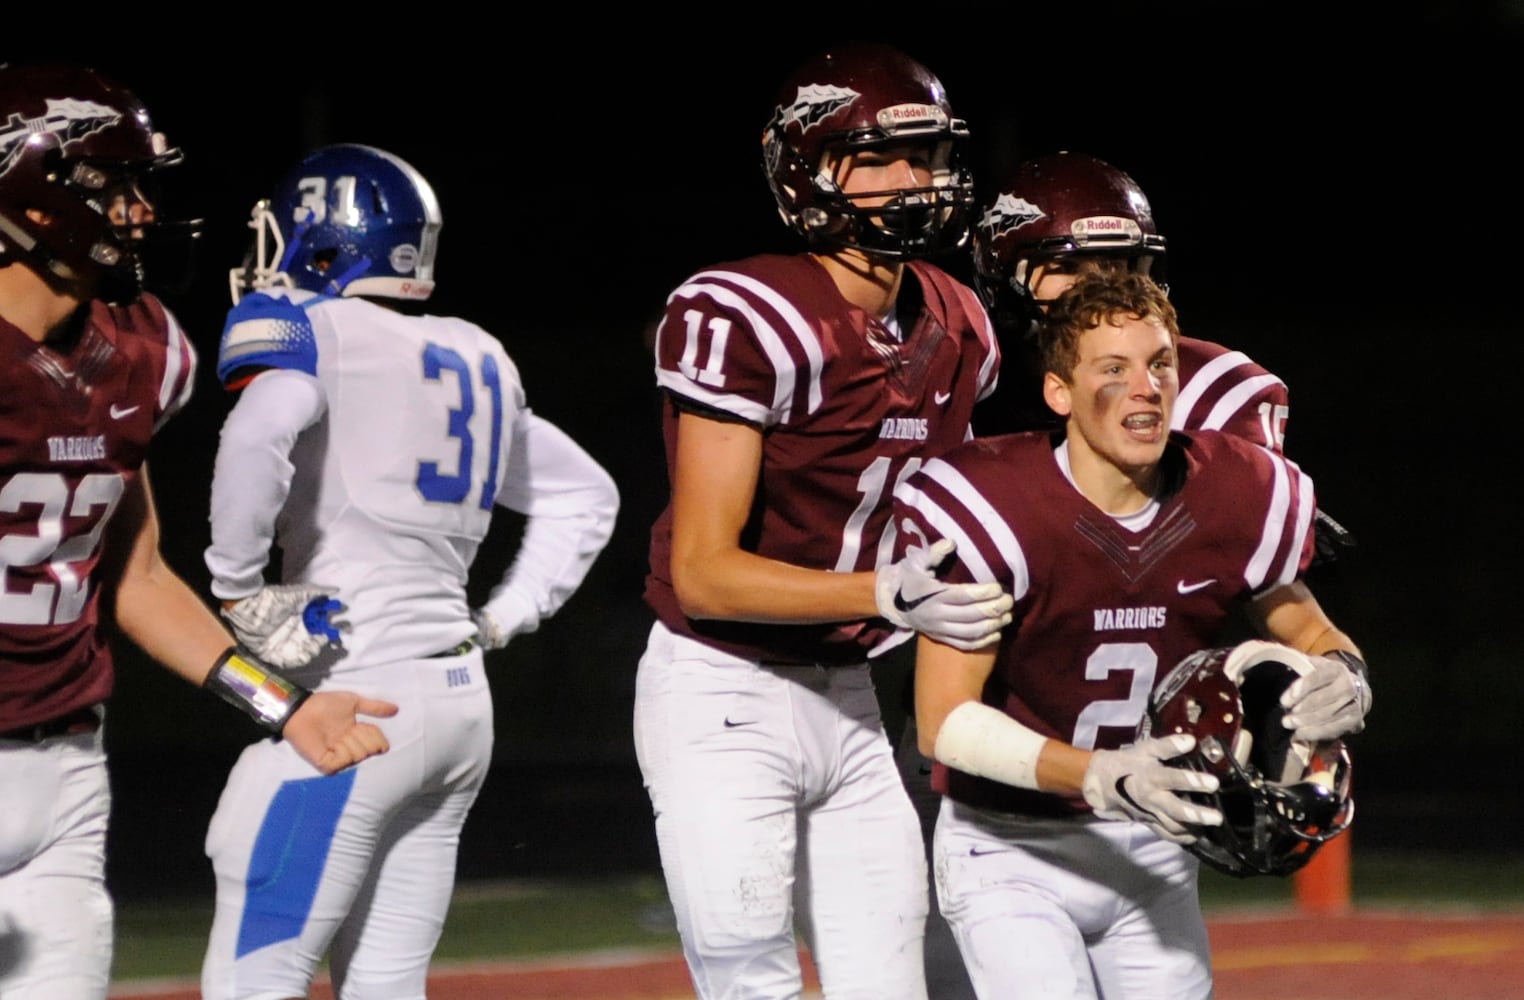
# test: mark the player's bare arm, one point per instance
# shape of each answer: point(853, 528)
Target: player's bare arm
point(714, 484)
point(1292, 615)
point(159, 612)
point(1334, 699)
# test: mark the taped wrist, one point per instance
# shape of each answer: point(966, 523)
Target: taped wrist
point(256, 689)
point(980, 740)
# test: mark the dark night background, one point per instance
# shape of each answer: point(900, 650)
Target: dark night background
point(1341, 199)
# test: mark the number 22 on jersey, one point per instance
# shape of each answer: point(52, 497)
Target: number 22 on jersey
point(50, 494)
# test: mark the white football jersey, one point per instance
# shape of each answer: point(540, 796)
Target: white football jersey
point(401, 442)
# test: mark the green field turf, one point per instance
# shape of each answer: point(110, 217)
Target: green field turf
point(529, 919)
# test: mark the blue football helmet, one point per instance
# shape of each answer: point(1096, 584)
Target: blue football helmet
point(349, 220)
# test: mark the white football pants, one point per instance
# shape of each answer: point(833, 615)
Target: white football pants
point(776, 798)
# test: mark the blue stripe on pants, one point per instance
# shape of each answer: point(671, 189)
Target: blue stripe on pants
point(288, 858)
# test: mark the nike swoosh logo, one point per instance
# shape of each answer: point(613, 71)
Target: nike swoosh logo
point(941, 397)
point(974, 852)
point(118, 412)
point(1190, 588)
point(901, 604)
point(747, 722)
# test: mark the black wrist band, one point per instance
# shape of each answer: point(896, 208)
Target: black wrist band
point(1351, 661)
point(256, 689)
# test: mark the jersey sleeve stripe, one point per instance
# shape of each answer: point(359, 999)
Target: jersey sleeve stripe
point(1234, 399)
point(179, 371)
point(989, 366)
point(742, 407)
point(979, 511)
point(803, 332)
point(1210, 373)
point(1286, 525)
point(1274, 532)
point(685, 380)
point(1306, 507)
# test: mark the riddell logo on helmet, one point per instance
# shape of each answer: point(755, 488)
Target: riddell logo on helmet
point(67, 120)
point(1107, 225)
point(911, 114)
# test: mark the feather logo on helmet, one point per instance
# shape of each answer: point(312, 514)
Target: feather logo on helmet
point(67, 119)
point(1008, 213)
point(814, 104)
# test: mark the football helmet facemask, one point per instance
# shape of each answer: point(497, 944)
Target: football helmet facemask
point(865, 96)
point(1281, 798)
point(1055, 207)
point(78, 194)
point(350, 220)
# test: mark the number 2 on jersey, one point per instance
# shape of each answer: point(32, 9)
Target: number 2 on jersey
point(443, 487)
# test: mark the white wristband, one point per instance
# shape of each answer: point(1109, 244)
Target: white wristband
point(984, 741)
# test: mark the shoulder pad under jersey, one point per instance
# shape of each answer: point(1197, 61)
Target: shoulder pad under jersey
point(267, 331)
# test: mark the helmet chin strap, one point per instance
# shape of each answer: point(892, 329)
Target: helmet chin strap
point(295, 243)
point(342, 281)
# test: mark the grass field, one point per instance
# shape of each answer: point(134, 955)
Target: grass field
point(526, 919)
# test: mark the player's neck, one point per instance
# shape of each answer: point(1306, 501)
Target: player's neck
point(870, 283)
point(1111, 488)
point(33, 306)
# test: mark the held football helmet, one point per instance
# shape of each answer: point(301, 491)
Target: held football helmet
point(349, 220)
point(1048, 209)
point(79, 153)
point(1281, 798)
point(865, 96)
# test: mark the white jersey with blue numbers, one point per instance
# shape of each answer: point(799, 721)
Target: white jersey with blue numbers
point(371, 450)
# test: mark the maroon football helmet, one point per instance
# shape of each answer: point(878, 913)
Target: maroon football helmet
point(1281, 798)
point(81, 149)
point(1052, 207)
point(863, 96)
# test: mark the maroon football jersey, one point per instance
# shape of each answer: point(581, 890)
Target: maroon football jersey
point(846, 411)
point(74, 429)
point(1223, 390)
point(1103, 612)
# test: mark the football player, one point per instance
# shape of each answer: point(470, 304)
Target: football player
point(1127, 547)
point(370, 444)
point(93, 367)
point(799, 389)
point(1049, 220)
point(1055, 216)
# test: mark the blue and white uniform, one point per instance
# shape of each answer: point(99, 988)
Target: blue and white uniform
point(371, 447)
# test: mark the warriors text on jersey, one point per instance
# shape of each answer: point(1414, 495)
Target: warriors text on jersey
point(75, 426)
point(846, 410)
point(1103, 611)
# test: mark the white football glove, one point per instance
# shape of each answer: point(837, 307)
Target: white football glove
point(286, 625)
point(1135, 783)
point(489, 634)
point(1328, 703)
point(967, 616)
